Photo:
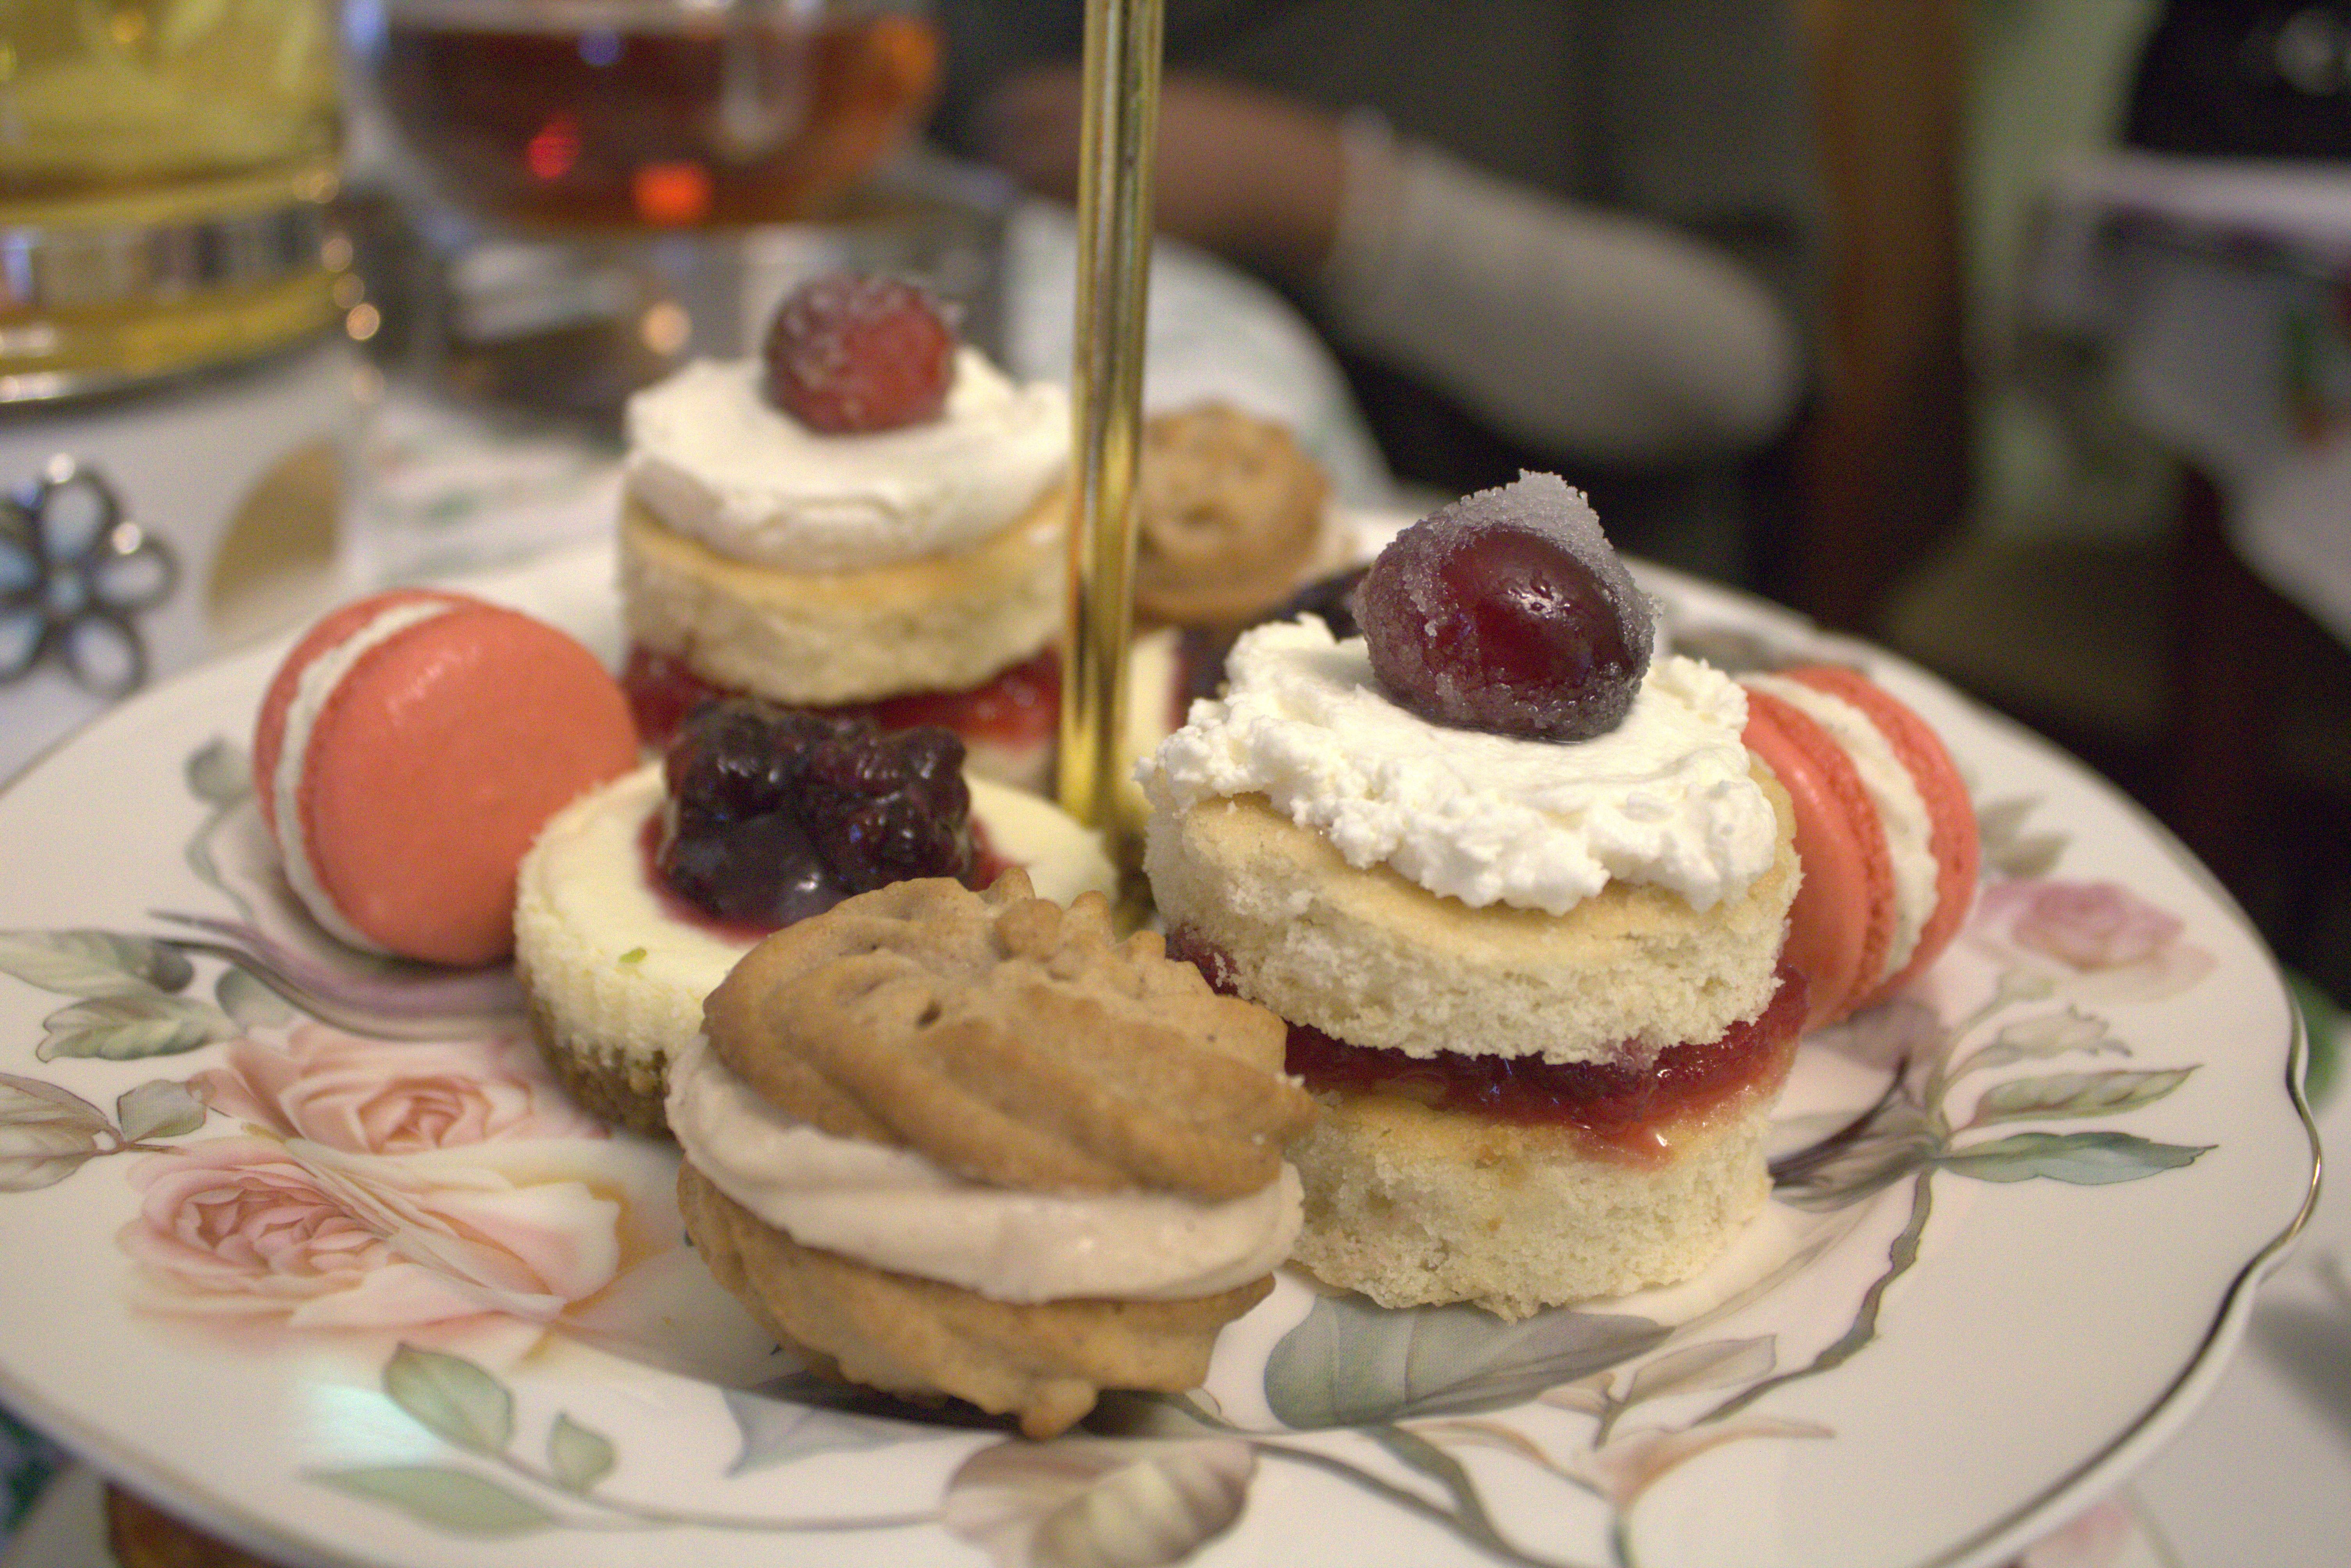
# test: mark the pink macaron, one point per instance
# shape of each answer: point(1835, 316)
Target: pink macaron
point(1884, 830)
point(408, 751)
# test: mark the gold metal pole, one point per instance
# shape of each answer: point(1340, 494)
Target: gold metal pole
point(1114, 225)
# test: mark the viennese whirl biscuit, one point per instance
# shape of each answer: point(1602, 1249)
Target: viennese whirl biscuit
point(1229, 517)
point(969, 1143)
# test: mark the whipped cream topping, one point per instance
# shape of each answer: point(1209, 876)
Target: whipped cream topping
point(1901, 808)
point(312, 691)
point(722, 465)
point(893, 1209)
point(1666, 798)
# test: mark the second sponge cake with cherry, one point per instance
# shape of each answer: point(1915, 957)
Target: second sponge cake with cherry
point(1521, 892)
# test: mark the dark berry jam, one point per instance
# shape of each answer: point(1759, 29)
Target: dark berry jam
point(1620, 1110)
point(987, 864)
point(772, 815)
point(750, 837)
point(677, 908)
point(1020, 708)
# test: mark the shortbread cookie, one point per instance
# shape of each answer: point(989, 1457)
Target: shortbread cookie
point(1011, 1040)
point(1044, 1362)
point(971, 1144)
point(1230, 515)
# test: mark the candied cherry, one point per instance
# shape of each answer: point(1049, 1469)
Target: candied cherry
point(1508, 612)
point(849, 352)
point(775, 815)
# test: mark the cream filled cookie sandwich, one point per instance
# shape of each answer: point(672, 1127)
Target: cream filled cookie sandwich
point(1230, 518)
point(1521, 892)
point(949, 1143)
point(868, 520)
point(636, 900)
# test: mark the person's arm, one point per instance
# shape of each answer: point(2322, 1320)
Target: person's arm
point(1617, 339)
point(1613, 338)
point(1254, 176)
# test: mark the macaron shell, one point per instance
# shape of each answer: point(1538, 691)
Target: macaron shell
point(1953, 834)
point(1843, 917)
point(433, 763)
point(331, 632)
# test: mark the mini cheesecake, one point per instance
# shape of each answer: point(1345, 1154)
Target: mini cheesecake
point(617, 965)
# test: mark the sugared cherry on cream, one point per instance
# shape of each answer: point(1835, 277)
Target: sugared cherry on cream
point(849, 353)
point(776, 815)
point(1509, 611)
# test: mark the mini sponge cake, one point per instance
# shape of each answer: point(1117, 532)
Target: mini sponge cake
point(835, 524)
point(1521, 894)
point(1370, 958)
point(1414, 1204)
point(947, 622)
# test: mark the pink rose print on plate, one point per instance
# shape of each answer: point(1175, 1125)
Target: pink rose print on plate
point(321, 1238)
point(2090, 939)
point(441, 1190)
point(392, 1097)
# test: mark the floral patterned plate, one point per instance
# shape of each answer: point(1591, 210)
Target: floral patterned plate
point(310, 1249)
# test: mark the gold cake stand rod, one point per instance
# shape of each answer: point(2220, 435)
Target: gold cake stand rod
point(1114, 225)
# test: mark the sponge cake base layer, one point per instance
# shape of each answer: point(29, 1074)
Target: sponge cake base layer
point(1413, 1205)
point(946, 623)
point(1368, 957)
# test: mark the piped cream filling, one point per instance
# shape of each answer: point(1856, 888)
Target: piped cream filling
point(893, 1209)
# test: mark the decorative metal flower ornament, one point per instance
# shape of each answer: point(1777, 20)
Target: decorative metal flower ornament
point(74, 575)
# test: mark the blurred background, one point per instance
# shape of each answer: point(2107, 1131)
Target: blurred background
point(2008, 332)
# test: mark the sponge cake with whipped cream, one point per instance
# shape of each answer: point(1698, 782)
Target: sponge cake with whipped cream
point(826, 568)
point(1534, 984)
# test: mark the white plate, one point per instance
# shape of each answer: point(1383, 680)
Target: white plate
point(356, 1303)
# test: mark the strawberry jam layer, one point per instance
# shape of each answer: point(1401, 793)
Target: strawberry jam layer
point(1019, 708)
point(1618, 1107)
